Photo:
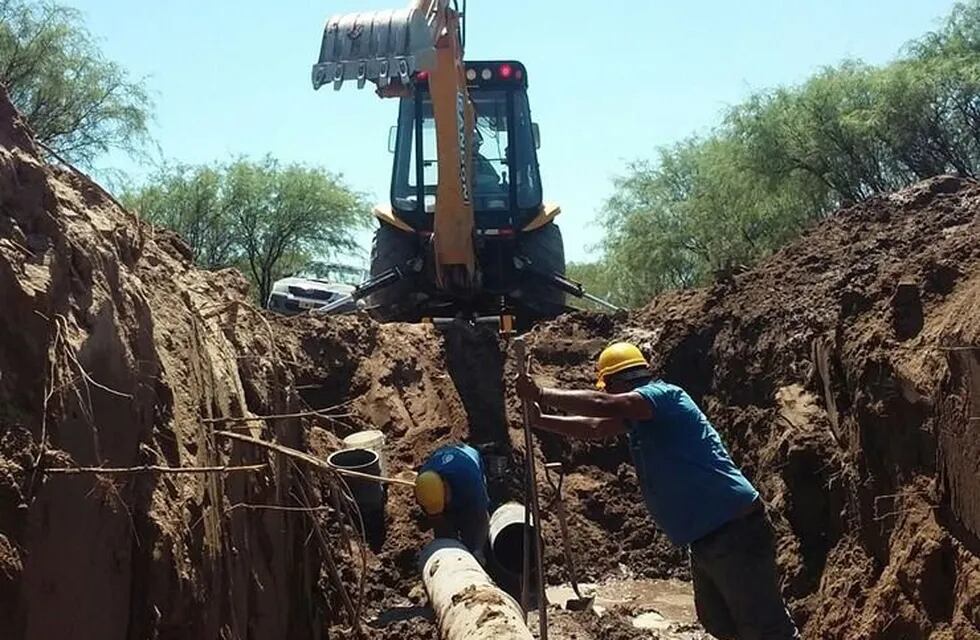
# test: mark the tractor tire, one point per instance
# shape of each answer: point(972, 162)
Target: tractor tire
point(392, 247)
point(546, 251)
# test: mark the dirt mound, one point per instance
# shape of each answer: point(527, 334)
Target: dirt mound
point(116, 352)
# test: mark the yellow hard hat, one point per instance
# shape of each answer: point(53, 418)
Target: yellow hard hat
point(618, 357)
point(430, 492)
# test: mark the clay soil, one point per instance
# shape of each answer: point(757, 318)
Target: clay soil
point(843, 373)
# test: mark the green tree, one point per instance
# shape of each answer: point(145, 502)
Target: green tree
point(266, 218)
point(789, 156)
point(79, 103)
point(702, 208)
point(286, 216)
point(822, 129)
point(190, 201)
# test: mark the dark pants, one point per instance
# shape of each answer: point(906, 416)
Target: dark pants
point(736, 583)
point(469, 526)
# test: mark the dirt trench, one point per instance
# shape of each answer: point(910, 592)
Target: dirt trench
point(843, 373)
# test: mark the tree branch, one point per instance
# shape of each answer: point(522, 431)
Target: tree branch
point(152, 468)
point(311, 460)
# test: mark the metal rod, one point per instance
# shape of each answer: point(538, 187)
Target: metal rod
point(598, 300)
point(520, 353)
point(559, 469)
point(336, 304)
point(526, 559)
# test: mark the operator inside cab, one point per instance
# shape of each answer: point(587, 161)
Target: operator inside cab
point(487, 178)
point(451, 488)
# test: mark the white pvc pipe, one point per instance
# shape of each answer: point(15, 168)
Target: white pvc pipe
point(468, 605)
point(373, 440)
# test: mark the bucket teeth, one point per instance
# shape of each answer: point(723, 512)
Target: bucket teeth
point(375, 46)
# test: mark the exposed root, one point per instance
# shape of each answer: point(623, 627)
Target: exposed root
point(153, 468)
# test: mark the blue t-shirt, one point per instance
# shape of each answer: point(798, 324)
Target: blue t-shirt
point(689, 481)
point(462, 469)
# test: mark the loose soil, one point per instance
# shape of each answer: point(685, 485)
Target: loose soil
point(843, 373)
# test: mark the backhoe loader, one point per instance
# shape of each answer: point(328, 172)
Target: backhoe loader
point(466, 232)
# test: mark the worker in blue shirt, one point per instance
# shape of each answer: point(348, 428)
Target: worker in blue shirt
point(693, 490)
point(451, 488)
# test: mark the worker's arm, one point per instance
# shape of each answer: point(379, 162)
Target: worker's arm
point(580, 427)
point(594, 404)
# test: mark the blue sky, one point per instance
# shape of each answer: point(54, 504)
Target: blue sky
point(610, 80)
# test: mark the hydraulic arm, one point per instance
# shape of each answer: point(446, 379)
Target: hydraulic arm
point(388, 48)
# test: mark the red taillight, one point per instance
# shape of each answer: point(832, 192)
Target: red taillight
point(506, 71)
point(422, 76)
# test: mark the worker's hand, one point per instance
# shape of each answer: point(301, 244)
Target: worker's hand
point(528, 389)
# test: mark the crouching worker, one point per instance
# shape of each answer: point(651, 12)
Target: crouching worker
point(693, 490)
point(451, 488)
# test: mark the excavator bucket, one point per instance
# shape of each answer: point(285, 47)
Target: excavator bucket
point(380, 46)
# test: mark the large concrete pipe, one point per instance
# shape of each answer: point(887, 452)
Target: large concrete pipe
point(468, 605)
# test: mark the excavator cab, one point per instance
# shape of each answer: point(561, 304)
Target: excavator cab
point(505, 181)
point(466, 231)
point(515, 241)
